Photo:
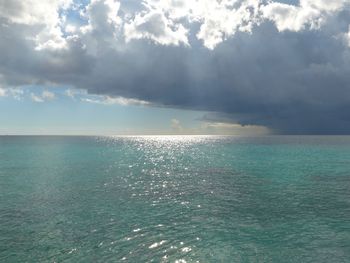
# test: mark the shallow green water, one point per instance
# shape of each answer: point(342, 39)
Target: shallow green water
point(168, 199)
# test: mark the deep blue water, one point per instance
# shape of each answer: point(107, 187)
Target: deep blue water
point(174, 199)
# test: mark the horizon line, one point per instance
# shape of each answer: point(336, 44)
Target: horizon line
point(155, 135)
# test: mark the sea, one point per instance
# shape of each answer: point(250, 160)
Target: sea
point(175, 199)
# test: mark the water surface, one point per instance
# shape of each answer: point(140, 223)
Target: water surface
point(174, 199)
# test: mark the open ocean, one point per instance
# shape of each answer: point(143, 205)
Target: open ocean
point(175, 199)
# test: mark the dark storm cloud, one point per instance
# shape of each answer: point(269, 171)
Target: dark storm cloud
point(290, 82)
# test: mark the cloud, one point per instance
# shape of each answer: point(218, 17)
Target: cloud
point(295, 18)
point(217, 128)
point(222, 19)
point(284, 65)
point(74, 93)
point(157, 27)
point(233, 129)
point(45, 96)
point(347, 37)
point(2, 92)
point(15, 93)
point(36, 98)
point(33, 12)
point(176, 125)
point(70, 93)
point(42, 16)
point(106, 100)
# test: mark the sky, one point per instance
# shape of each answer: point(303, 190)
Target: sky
point(245, 67)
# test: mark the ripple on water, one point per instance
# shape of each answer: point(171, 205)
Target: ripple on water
point(175, 199)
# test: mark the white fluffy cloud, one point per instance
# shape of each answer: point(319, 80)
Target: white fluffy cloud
point(157, 27)
point(218, 19)
point(222, 19)
point(33, 12)
point(41, 17)
point(166, 22)
point(309, 13)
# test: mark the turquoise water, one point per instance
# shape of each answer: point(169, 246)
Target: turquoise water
point(175, 199)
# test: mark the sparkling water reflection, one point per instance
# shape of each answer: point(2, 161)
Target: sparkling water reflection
point(174, 199)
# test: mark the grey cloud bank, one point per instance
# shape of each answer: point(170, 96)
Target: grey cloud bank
point(285, 66)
